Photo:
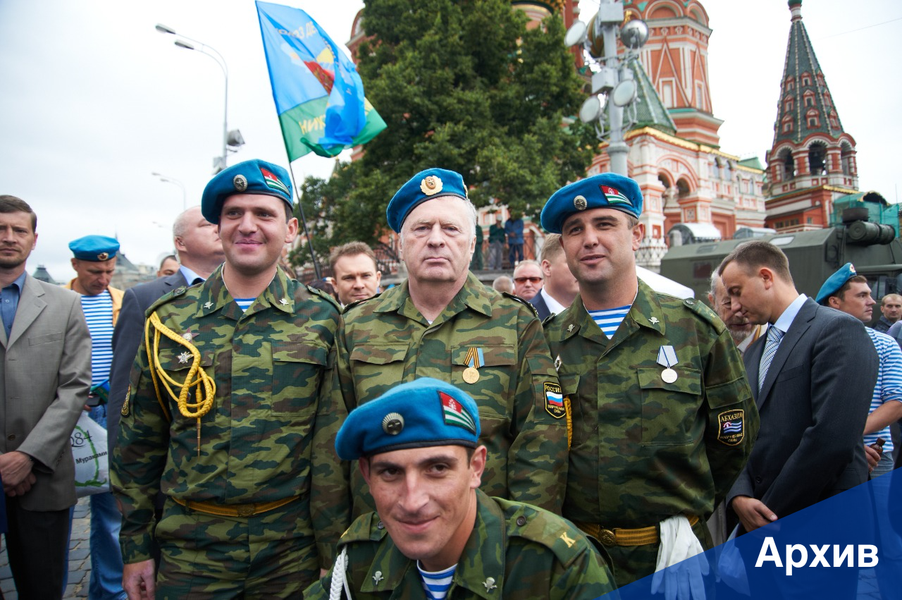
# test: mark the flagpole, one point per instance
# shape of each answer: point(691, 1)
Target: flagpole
point(297, 190)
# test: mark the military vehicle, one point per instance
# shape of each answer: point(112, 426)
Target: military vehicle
point(873, 248)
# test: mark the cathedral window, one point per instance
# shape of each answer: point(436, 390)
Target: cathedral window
point(845, 159)
point(817, 159)
point(812, 118)
point(789, 165)
point(788, 105)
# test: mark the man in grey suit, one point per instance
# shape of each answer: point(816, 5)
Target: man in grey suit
point(200, 252)
point(45, 367)
point(813, 396)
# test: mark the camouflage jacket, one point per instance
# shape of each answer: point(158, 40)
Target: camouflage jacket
point(644, 449)
point(273, 421)
point(515, 551)
point(385, 341)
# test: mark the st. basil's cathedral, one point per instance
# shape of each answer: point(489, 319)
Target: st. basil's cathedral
point(695, 190)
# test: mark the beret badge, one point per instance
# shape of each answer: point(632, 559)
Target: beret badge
point(103, 256)
point(393, 423)
point(240, 183)
point(579, 203)
point(431, 185)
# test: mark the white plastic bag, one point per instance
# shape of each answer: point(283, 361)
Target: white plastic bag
point(89, 450)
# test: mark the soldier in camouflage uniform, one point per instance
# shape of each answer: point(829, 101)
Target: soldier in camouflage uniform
point(663, 417)
point(443, 323)
point(417, 448)
point(234, 419)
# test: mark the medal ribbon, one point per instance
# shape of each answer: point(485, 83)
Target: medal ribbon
point(667, 357)
point(474, 358)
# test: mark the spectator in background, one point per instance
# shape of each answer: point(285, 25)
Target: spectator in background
point(503, 283)
point(891, 311)
point(356, 274)
point(496, 243)
point(168, 266)
point(45, 335)
point(514, 230)
point(94, 262)
point(560, 287)
point(527, 279)
point(743, 332)
point(476, 261)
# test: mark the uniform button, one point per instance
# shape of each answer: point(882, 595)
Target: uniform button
point(11, 437)
point(757, 480)
point(521, 521)
point(380, 525)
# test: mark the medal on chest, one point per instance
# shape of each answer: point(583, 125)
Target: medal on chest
point(667, 358)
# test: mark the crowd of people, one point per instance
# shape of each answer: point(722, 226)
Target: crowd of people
point(575, 433)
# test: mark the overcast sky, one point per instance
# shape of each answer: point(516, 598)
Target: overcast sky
point(94, 99)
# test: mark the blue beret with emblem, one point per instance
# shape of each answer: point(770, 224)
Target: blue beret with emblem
point(608, 190)
point(248, 177)
point(835, 282)
point(425, 185)
point(419, 414)
point(96, 248)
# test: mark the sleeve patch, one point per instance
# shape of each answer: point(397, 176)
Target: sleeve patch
point(554, 400)
point(731, 427)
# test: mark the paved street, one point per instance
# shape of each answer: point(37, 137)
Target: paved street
point(79, 558)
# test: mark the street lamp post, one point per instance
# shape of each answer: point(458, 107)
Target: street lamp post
point(176, 182)
point(611, 76)
point(233, 138)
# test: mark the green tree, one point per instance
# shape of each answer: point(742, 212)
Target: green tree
point(465, 86)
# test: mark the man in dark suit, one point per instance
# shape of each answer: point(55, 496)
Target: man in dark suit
point(560, 286)
point(200, 252)
point(45, 374)
point(812, 378)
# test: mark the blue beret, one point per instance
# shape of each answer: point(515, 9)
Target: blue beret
point(608, 190)
point(836, 281)
point(425, 185)
point(249, 177)
point(96, 248)
point(423, 413)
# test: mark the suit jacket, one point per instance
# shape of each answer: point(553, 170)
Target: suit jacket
point(45, 369)
point(813, 407)
point(127, 338)
point(538, 302)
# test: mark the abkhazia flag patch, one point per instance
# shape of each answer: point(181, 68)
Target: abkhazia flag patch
point(274, 182)
point(454, 413)
point(731, 427)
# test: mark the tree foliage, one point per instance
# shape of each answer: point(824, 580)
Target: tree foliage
point(465, 86)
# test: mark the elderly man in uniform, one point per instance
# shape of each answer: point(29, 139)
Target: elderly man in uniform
point(234, 415)
point(433, 529)
point(444, 323)
point(663, 418)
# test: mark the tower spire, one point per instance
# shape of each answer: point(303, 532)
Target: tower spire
point(812, 157)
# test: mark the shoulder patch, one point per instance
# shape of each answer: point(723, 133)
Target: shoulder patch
point(707, 313)
point(521, 301)
point(366, 527)
point(359, 302)
point(316, 292)
point(165, 298)
point(545, 528)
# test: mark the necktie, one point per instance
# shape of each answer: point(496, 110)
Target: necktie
point(774, 336)
point(197, 280)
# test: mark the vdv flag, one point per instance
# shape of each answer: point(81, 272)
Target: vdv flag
point(318, 93)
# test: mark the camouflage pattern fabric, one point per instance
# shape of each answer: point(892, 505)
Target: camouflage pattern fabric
point(644, 449)
point(385, 341)
point(271, 555)
point(515, 551)
point(270, 433)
